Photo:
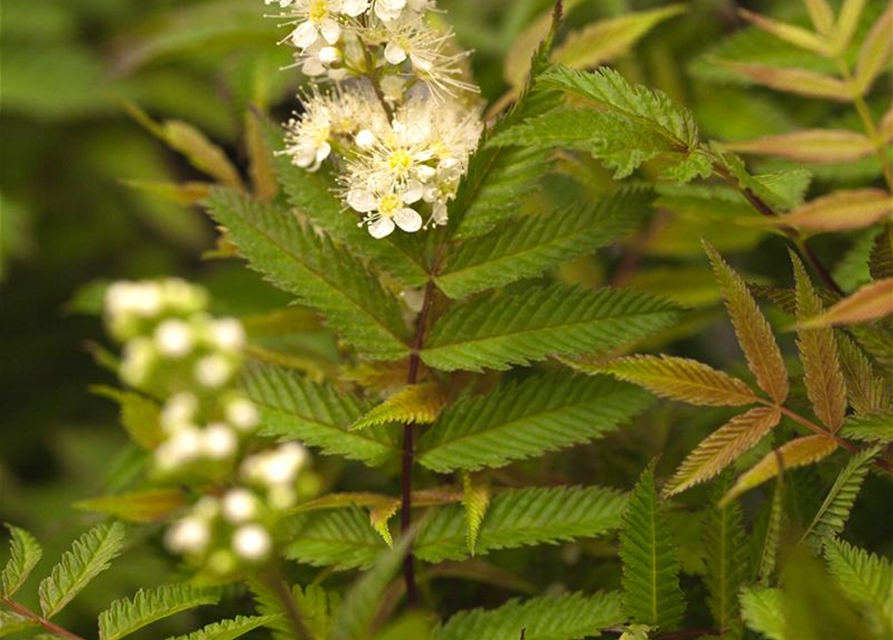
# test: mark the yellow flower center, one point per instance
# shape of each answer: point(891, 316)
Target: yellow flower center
point(388, 205)
point(399, 161)
point(318, 10)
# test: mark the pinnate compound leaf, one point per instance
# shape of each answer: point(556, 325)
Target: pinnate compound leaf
point(762, 610)
point(651, 592)
point(810, 145)
point(726, 560)
point(840, 211)
point(526, 419)
point(862, 576)
point(866, 391)
point(476, 501)
point(90, 555)
point(869, 427)
point(835, 510)
point(526, 248)
point(566, 617)
point(24, 554)
point(682, 379)
point(418, 403)
point(871, 302)
point(790, 80)
point(317, 414)
point(874, 55)
point(503, 330)
point(754, 333)
point(136, 506)
point(800, 452)
point(722, 447)
point(316, 605)
point(822, 374)
point(228, 629)
point(127, 615)
point(299, 261)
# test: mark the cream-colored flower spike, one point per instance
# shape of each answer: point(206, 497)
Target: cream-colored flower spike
point(401, 122)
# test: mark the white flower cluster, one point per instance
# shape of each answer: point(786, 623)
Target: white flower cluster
point(401, 122)
point(174, 348)
point(232, 531)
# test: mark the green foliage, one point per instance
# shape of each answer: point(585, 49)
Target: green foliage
point(24, 554)
point(869, 427)
point(128, 615)
point(524, 249)
point(651, 593)
point(499, 331)
point(297, 260)
point(90, 555)
point(565, 617)
point(862, 576)
point(762, 611)
point(316, 605)
point(228, 629)
point(522, 420)
point(726, 562)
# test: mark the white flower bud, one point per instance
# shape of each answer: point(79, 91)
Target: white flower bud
point(228, 334)
point(239, 505)
point(178, 412)
point(329, 55)
point(252, 542)
point(137, 361)
point(213, 371)
point(189, 535)
point(365, 139)
point(219, 441)
point(242, 414)
point(174, 338)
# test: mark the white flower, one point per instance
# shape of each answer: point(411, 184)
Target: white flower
point(242, 414)
point(189, 535)
point(239, 505)
point(219, 441)
point(174, 338)
point(279, 467)
point(314, 19)
point(178, 412)
point(252, 542)
point(228, 334)
point(213, 371)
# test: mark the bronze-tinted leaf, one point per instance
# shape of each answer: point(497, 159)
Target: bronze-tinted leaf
point(872, 302)
point(810, 145)
point(797, 36)
point(874, 55)
point(840, 211)
point(722, 447)
point(821, 14)
point(790, 80)
point(754, 333)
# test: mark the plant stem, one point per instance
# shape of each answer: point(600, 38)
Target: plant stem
point(49, 626)
point(280, 589)
point(799, 244)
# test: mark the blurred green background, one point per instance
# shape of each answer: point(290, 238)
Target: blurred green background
point(81, 198)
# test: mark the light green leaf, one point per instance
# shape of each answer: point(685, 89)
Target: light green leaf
point(651, 593)
point(869, 427)
point(476, 500)
point(317, 606)
point(127, 615)
point(13, 623)
point(90, 555)
point(521, 420)
point(499, 331)
point(726, 560)
point(565, 617)
point(312, 268)
point(862, 576)
point(24, 554)
point(317, 414)
point(761, 609)
point(228, 629)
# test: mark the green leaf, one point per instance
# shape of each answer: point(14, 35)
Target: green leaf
point(344, 539)
point(13, 623)
point(726, 560)
point(127, 615)
point(317, 414)
point(867, 392)
point(416, 403)
point(475, 500)
point(228, 629)
point(312, 268)
point(862, 576)
point(869, 427)
point(90, 555)
point(651, 593)
point(311, 195)
point(526, 419)
point(835, 510)
point(776, 519)
point(761, 609)
point(565, 617)
point(503, 330)
point(24, 554)
point(139, 415)
point(317, 607)
point(137, 506)
point(525, 248)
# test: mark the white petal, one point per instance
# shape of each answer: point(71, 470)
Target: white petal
point(323, 152)
point(394, 53)
point(426, 172)
point(413, 193)
point(305, 35)
point(365, 139)
point(353, 8)
point(330, 30)
point(420, 62)
point(408, 219)
point(361, 200)
point(313, 67)
point(381, 228)
point(440, 213)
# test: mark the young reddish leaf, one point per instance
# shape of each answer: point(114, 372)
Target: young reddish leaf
point(753, 331)
point(847, 22)
point(872, 302)
point(799, 81)
point(202, 154)
point(874, 56)
point(379, 514)
point(821, 14)
point(885, 128)
point(419, 403)
point(796, 453)
point(840, 211)
point(818, 353)
point(797, 36)
point(682, 379)
point(722, 447)
point(810, 145)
